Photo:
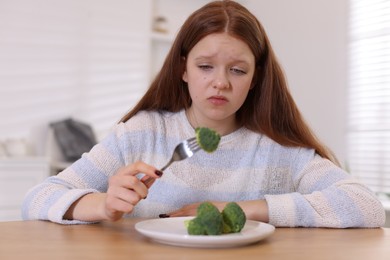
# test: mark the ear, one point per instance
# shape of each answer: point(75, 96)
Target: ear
point(184, 77)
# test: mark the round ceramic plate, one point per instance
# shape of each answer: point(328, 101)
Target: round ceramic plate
point(172, 231)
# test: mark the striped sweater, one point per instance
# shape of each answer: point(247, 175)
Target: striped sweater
point(301, 188)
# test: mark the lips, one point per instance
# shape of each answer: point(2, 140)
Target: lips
point(218, 100)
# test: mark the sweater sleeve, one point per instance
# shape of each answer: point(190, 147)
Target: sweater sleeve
point(325, 196)
point(52, 198)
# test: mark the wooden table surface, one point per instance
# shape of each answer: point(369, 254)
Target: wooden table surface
point(119, 240)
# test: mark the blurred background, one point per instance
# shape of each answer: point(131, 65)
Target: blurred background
point(91, 60)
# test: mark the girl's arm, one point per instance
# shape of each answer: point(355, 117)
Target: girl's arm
point(325, 196)
point(125, 190)
point(100, 185)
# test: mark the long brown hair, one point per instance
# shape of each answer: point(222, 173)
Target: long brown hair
point(269, 108)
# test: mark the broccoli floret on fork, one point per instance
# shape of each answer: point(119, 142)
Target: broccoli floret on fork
point(207, 139)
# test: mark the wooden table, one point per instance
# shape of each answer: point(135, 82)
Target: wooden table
point(119, 240)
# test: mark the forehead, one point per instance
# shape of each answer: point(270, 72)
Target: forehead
point(222, 44)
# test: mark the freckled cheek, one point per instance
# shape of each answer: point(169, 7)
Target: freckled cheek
point(199, 82)
point(201, 77)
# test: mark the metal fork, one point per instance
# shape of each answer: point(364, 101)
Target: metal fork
point(182, 151)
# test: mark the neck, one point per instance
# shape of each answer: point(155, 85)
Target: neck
point(223, 127)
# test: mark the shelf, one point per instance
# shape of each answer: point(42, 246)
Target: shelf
point(17, 176)
point(17, 160)
point(162, 37)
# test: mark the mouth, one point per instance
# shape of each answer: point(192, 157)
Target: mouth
point(218, 100)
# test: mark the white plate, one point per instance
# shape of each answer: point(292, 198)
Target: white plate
point(172, 231)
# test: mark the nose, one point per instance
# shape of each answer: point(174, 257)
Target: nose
point(221, 80)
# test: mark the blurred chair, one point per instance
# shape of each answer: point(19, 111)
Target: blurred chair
point(57, 160)
point(67, 140)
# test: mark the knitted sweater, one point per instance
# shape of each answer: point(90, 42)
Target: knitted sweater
point(300, 187)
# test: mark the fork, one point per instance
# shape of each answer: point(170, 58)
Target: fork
point(182, 151)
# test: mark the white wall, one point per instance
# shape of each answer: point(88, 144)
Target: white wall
point(85, 59)
point(310, 40)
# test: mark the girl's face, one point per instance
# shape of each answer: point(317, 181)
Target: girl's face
point(219, 72)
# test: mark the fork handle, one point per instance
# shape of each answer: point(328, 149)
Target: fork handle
point(166, 166)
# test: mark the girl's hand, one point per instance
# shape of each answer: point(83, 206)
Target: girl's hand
point(125, 190)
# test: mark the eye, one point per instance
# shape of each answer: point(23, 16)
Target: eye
point(238, 71)
point(205, 67)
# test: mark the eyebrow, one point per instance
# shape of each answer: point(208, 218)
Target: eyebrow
point(211, 56)
point(204, 57)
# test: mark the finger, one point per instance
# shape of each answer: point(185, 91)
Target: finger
point(148, 181)
point(125, 183)
point(138, 187)
point(140, 167)
point(127, 195)
point(120, 201)
point(115, 208)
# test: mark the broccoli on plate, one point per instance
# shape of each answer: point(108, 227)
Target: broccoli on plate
point(209, 221)
point(233, 218)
